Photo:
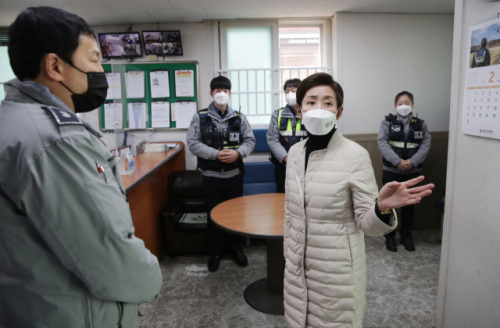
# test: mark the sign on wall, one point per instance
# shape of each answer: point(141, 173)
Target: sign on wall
point(481, 106)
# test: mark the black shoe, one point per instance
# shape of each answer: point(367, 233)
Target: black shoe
point(407, 242)
point(240, 258)
point(213, 264)
point(390, 244)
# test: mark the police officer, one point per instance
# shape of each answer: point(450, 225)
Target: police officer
point(404, 141)
point(482, 56)
point(68, 254)
point(285, 130)
point(221, 137)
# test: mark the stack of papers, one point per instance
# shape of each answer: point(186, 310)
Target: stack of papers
point(155, 148)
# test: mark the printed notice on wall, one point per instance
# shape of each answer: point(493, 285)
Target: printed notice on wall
point(184, 83)
point(113, 116)
point(481, 106)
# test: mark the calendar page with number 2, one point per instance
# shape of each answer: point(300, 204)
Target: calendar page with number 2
point(481, 106)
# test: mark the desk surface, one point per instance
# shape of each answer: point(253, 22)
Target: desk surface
point(147, 163)
point(260, 216)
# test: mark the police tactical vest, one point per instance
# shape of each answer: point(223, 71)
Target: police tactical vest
point(405, 146)
point(228, 138)
point(289, 135)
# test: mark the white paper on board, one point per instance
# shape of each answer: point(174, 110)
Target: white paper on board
point(481, 104)
point(113, 116)
point(184, 112)
point(135, 84)
point(160, 85)
point(114, 86)
point(184, 83)
point(137, 115)
point(160, 114)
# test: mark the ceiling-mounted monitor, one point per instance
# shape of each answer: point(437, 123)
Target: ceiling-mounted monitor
point(162, 43)
point(120, 45)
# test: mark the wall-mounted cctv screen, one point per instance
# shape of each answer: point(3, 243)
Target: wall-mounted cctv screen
point(162, 43)
point(120, 45)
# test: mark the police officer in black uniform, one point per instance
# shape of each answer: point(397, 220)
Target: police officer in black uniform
point(221, 137)
point(404, 141)
point(285, 130)
point(482, 57)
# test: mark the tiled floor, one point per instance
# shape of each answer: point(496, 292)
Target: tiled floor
point(401, 289)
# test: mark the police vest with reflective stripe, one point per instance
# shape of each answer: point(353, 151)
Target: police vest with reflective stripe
point(228, 138)
point(405, 146)
point(289, 134)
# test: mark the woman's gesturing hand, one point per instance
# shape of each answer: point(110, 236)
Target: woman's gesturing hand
point(398, 194)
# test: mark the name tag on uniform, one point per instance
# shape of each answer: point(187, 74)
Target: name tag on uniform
point(396, 128)
point(63, 117)
point(419, 134)
point(234, 137)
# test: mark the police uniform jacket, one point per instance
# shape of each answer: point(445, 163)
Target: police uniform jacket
point(204, 151)
point(273, 134)
point(390, 155)
point(68, 253)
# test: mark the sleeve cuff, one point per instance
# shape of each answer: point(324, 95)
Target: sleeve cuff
point(386, 218)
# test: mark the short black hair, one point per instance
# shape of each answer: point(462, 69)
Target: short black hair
point(39, 31)
point(220, 82)
point(403, 93)
point(316, 80)
point(484, 42)
point(292, 83)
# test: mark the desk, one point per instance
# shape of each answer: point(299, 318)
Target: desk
point(147, 191)
point(259, 216)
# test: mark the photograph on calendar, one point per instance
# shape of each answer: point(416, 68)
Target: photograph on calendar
point(485, 46)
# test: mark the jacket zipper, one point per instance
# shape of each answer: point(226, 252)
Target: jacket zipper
point(120, 313)
point(350, 248)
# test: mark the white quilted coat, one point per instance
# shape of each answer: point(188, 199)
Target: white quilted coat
point(327, 210)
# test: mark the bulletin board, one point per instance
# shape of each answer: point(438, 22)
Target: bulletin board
point(147, 98)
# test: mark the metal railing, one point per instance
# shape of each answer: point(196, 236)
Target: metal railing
point(259, 91)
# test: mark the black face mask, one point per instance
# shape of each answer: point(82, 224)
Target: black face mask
point(95, 96)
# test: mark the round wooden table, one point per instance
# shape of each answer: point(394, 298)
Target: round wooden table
point(259, 216)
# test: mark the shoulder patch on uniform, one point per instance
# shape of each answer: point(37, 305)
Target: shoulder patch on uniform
point(62, 117)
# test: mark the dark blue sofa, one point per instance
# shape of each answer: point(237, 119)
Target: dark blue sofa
point(259, 176)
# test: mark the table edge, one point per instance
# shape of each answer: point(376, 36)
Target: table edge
point(179, 149)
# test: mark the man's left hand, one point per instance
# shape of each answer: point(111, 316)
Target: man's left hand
point(408, 164)
point(229, 156)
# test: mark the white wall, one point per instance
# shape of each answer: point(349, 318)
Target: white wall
point(198, 45)
point(469, 284)
point(378, 55)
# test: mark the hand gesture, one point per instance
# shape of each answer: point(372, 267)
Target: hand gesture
point(398, 194)
point(228, 155)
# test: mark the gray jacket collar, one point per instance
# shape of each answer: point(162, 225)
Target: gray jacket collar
point(33, 92)
point(212, 111)
point(287, 112)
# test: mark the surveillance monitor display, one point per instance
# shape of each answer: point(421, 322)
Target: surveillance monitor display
point(163, 43)
point(119, 45)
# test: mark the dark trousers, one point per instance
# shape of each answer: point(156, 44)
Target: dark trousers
point(406, 211)
point(280, 176)
point(218, 190)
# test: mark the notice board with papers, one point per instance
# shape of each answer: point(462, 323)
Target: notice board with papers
point(143, 95)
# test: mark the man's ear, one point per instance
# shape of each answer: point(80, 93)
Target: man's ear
point(52, 67)
point(211, 93)
point(299, 112)
point(339, 112)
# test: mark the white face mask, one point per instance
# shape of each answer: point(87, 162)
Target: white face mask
point(404, 110)
point(221, 98)
point(291, 99)
point(319, 121)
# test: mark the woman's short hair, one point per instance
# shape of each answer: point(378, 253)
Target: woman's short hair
point(316, 80)
point(403, 93)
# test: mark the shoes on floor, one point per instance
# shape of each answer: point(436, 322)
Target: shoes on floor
point(390, 244)
point(213, 263)
point(240, 258)
point(407, 242)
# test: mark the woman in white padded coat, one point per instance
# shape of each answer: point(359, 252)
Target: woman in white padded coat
point(330, 203)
